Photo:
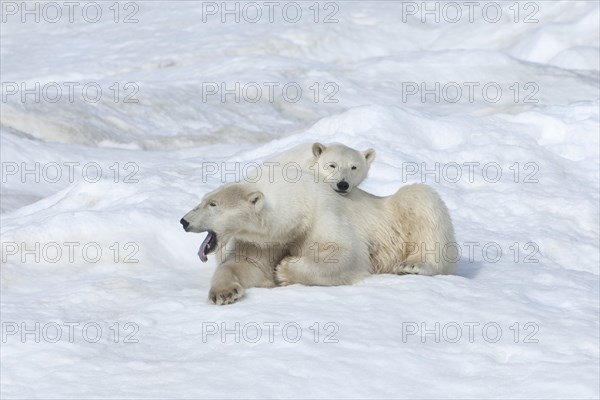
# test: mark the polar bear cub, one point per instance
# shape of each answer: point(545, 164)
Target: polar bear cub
point(340, 166)
point(409, 232)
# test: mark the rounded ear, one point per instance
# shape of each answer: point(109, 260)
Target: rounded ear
point(369, 155)
point(258, 199)
point(318, 149)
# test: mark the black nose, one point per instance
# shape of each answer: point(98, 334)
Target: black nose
point(343, 185)
point(184, 223)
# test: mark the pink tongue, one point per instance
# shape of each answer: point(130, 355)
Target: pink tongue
point(203, 251)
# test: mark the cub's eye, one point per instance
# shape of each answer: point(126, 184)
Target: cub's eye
point(354, 167)
point(331, 165)
point(212, 204)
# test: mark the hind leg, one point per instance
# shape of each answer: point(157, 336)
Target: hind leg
point(309, 273)
point(415, 268)
point(332, 266)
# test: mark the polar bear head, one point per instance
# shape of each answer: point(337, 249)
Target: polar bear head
point(341, 166)
point(222, 212)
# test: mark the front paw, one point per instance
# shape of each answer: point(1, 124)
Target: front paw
point(225, 295)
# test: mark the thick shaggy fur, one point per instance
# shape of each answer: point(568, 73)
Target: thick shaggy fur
point(282, 232)
point(280, 220)
point(409, 232)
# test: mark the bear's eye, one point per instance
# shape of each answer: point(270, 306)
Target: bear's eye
point(354, 167)
point(212, 204)
point(331, 165)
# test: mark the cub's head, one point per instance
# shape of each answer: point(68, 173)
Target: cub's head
point(225, 213)
point(341, 166)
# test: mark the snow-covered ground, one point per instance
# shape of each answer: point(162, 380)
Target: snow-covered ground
point(517, 119)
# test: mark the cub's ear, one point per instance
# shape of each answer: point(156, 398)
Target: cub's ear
point(318, 149)
point(258, 199)
point(369, 156)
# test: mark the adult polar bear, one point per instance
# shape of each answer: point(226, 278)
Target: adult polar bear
point(259, 224)
point(404, 233)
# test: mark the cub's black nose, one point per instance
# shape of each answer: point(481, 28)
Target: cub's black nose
point(343, 186)
point(184, 223)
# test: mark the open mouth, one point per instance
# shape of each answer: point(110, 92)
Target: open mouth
point(208, 246)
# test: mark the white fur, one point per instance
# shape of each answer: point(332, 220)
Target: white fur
point(276, 231)
point(307, 224)
point(331, 164)
point(409, 232)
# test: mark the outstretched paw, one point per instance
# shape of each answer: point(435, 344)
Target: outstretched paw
point(226, 295)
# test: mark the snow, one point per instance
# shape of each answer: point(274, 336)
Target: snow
point(542, 292)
